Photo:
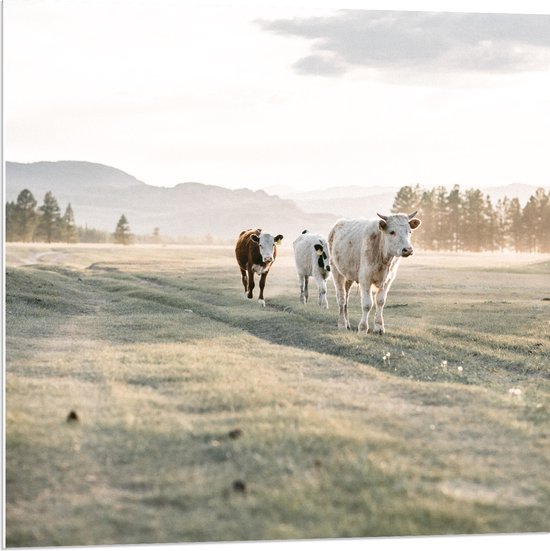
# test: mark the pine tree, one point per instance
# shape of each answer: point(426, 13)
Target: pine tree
point(49, 225)
point(12, 229)
point(407, 199)
point(490, 222)
point(24, 216)
point(427, 237)
point(455, 208)
point(514, 221)
point(122, 234)
point(503, 229)
point(69, 229)
point(544, 206)
point(530, 219)
point(474, 220)
point(441, 219)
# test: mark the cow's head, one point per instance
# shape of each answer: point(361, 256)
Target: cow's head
point(267, 244)
point(396, 230)
point(321, 250)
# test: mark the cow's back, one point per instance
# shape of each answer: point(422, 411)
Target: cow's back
point(245, 247)
point(302, 253)
point(346, 245)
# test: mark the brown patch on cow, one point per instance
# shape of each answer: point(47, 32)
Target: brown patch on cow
point(72, 417)
point(374, 250)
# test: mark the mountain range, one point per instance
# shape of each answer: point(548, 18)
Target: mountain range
point(99, 194)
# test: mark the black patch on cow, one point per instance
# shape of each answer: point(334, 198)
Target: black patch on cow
point(322, 257)
point(305, 231)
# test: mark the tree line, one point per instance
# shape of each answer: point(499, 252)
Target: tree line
point(27, 222)
point(453, 220)
point(468, 220)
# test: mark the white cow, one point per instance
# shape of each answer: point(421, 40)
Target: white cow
point(312, 259)
point(368, 252)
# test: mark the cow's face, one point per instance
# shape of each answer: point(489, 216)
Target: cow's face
point(397, 230)
point(321, 250)
point(267, 244)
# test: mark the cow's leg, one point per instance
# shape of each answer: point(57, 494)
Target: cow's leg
point(366, 305)
point(347, 287)
point(378, 317)
point(244, 279)
point(250, 283)
point(340, 284)
point(322, 285)
point(303, 280)
point(262, 285)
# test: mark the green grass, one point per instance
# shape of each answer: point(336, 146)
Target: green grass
point(161, 357)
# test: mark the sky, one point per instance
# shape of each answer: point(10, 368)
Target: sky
point(260, 95)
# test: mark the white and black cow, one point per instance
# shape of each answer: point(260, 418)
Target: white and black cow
point(312, 260)
point(368, 252)
point(256, 251)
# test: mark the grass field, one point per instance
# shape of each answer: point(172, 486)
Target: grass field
point(204, 417)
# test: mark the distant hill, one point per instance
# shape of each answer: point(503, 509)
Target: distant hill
point(356, 201)
point(99, 194)
point(346, 201)
point(349, 207)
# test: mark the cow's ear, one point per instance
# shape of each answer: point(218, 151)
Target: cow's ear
point(414, 223)
point(255, 238)
point(382, 225)
point(319, 249)
point(278, 239)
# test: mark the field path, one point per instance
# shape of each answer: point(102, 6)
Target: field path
point(203, 417)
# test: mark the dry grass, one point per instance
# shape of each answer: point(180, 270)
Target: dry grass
point(162, 359)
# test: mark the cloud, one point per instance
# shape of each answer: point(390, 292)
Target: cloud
point(419, 41)
point(320, 65)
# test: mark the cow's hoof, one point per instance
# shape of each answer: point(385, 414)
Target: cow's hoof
point(261, 302)
point(378, 330)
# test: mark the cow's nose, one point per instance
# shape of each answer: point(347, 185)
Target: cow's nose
point(407, 251)
point(327, 268)
point(268, 258)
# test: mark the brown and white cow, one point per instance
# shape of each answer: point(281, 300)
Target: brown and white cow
point(368, 252)
point(256, 251)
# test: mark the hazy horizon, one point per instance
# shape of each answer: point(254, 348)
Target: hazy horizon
point(267, 97)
